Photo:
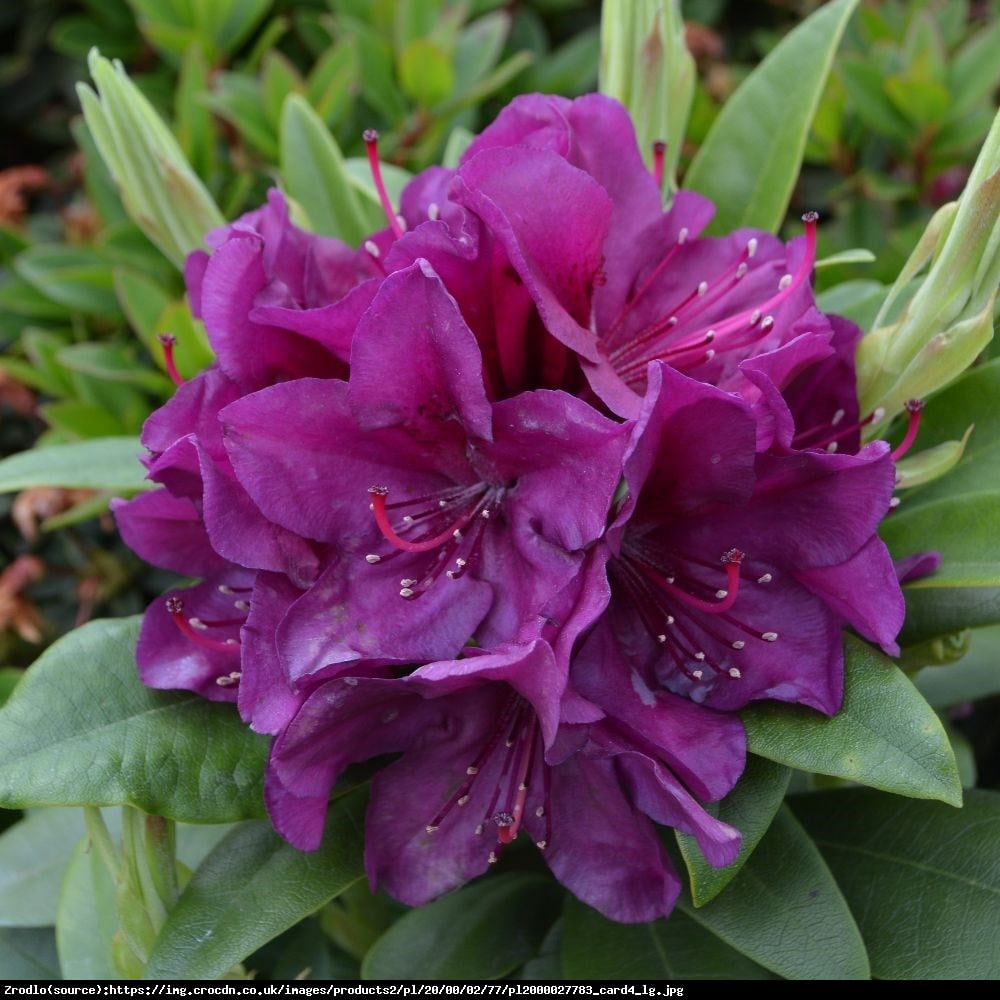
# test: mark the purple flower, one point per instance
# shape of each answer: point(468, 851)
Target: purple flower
point(732, 573)
point(487, 754)
point(448, 512)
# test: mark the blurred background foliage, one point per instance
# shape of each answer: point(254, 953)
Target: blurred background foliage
point(84, 293)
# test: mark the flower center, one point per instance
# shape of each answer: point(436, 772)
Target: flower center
point(684, 609)
point(516, 738)
point(450, 523)
point(681, 336)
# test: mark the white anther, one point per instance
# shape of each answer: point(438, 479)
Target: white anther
point(459, 563)
point(702, 287)
point(738, 644)
point(894, 503)
point(734, 673)
point(721, 593)
point(407, 519)
point(786, 280)
point(485, 514)
point(755, 317)
point(670, 579)
point(709, 354)
point(456, 534)
point(682, 236)
point(430, 829)
point(509, 743)
point(522, 787)
point(407, 583)
point(770, 636)
point(741, 271)
point(451, 574)
point(661, 638)
point(373, 249)
point(479, 830)
point(837, 417)
point(541, 844)
point(223, 589)
point(492, 859)
point(241, 605)
point(699, 656)
point(751, 246)
point(540, 812)
point(697, 675)
point(442, 503)
point(371, 558)
point(767, 322)
point(670, 619)
point(406, 592)
point(197, 623)
point(710, 336)
point(472, 770)
point(766, 578)
point(463, 800)
point(232, 642)
point(433, 211)
point(832, 447)
point(672, 321)
point(402, 222)
point(877, 414)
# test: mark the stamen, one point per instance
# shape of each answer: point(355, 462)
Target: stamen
point(378, 506)
point(371, 142)
point(914, 407)
point(659, 151)
point(175, 608)
point(731, 560)
point(168, 342)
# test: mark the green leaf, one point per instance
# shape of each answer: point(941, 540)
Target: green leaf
point(425, 72)
point(885, 735)
point(749, 807)
point(970, 400)
point(106, 464)
point(87, 917)
point(113, 363)
point(930, 464)
point(976, 675)
point(547, 964)
point(922, 880)
point(867, 98)
point(28, 953)
point(594, 947)
point(784, 910)
point(9, 676)
point(480, 932)
point(81, 729)
point(329, 87)
point(33, 857)
point(313, 169)
point(965, 591)
point(750, 161)
point(252, 887)
point(975, 72)
point(857, 300)
point(72, 276)
point(859, 255)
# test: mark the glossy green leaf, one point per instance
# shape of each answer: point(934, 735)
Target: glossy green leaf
point(253, 886)
point(594, 947)
point(87, 917)
point(885, 735)
point(113, 363)
point(547, 964)
point(81, 729)
point(859, 255)
point(785, 912)
point(313, 169)
point(965, 591)
point(75, 277)
point(930, 464)
point(33, 857)
point(425, 72)
point(28, 953)
point(480, 932)
point(749, 807)
point(107, 464)
point(857, 300)
point(970, 400)
point(750, 161)
point(922, 879)
point(976, 675)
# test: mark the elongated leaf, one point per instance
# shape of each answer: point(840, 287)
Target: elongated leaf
point(82, 730)
point(885, 735)
point(784, 910)
point(87, 918)
point(313, 170)
point(976, 675)
point(594, 947)
point(480, 932)
point(965, 591)
point(72, 276)
point(107, 464)
point(33, 858)
point(28, 953)
point(252, 887)
point(922, 879)
point(750, 807)
point(751, 158)
point(970, 400)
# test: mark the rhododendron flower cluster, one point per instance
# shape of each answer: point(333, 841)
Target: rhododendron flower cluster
point(533, 491)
